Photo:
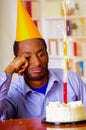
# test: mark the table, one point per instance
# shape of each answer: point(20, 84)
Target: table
point(35, 124)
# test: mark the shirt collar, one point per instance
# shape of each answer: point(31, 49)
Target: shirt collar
point(25, 87)
point(52, 78)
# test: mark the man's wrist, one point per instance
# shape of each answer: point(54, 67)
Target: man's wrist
point(10, 69)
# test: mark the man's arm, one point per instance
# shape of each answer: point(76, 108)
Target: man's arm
point(5, 80)
point(18, 65)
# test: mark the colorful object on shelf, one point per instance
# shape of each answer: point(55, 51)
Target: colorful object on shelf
point(68, 27)
point(29, 7)
point(25, 28)
point(79, 68)
point(75, 48)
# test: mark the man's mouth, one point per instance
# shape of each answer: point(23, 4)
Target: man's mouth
point(37, 69)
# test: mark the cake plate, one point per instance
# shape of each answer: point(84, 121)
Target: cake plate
point(63, 123)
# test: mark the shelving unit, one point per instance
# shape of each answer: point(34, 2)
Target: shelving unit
point(52, 27)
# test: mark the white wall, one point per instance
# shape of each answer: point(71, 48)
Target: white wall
point(7, 31)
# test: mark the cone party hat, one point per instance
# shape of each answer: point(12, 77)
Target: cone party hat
point(25, 28)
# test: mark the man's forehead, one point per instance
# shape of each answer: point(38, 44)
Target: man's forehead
point(31, 45)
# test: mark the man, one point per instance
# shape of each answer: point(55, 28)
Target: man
point(36, 85)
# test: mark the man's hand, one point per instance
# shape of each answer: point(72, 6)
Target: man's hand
point(18, 65)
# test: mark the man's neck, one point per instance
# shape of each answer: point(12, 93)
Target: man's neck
point(38, 83)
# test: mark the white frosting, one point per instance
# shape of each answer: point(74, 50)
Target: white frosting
point(60, 112)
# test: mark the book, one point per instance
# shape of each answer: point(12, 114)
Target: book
point(29, 7)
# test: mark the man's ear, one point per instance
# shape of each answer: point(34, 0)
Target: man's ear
point(47, 55)
point(14, 57)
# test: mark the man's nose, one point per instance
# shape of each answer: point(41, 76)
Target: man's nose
point(36, 61)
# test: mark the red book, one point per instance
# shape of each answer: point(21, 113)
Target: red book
point(29, 7)
point(36, 22)
point(75, 48)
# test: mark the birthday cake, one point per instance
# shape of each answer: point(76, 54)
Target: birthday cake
point(70, 112)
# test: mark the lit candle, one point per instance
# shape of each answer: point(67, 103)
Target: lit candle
point(65, 3)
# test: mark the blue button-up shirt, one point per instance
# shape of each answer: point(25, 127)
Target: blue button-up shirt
point(18, 100)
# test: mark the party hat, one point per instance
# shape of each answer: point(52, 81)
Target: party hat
point(25, 28)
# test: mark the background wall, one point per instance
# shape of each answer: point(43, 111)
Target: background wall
point(7, 31)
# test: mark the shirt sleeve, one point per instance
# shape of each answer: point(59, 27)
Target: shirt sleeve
point(76, 88)
point(5, 80)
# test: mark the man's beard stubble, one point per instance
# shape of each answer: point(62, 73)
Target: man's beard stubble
point(35, 78)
